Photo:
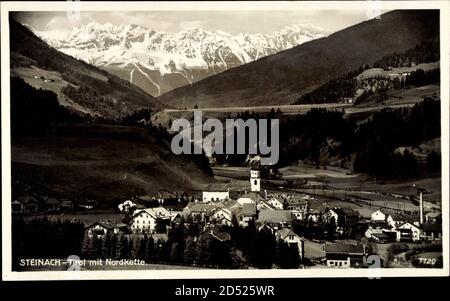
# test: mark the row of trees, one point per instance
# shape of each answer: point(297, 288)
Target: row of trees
point(188, 245)
point(344, 87)
point(45, 238)
point(33, 111)
point(427, 51)
point(420, 77)
point(320, 134)
point(333, 90)
point(375, 142)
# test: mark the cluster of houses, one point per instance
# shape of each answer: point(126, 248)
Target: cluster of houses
point(217, 206)
point(385, 226)
point(33, 204)
point(389, 225)
point(213, 209)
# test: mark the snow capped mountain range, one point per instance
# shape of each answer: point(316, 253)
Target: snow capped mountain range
point(161, 61)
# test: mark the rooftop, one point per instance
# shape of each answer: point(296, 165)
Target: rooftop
point(338, 248)
point(249, 209)
point(275, 216)
point(254, 196)
point(285, 232)
point(345, 211)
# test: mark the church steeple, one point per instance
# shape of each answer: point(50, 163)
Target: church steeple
point(255, 179)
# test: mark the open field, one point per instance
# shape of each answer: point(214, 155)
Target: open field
point(412, 95)
point(338, 187)
point(29, 73)
point(379, 72)
point(305, 171)
point(165, 116)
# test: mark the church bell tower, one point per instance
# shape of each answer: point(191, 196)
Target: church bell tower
point(255, 180)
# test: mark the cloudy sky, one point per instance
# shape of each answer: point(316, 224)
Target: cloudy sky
point(229, 21)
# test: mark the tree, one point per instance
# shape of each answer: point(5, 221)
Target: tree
point(433, 163)
point(97, 243)
point(287, 256)
point(190, 251)
point(238, 260)
point(150, 250)
point(204, 249)
point(142, 251)
point(331, 227)
point(125, 251)
point(106, 246)
point(160, 226)
point(88, 247)
point(263, 253)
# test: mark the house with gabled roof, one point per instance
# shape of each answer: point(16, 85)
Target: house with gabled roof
point(102, 227)
point(222, 216)
point(200, 212)
point(344, 217)
point(379, 215)
point(297, 203)
point(408, 232)
point(292, 239)
point(344, 255)
point(264, 206)
point(276, 203)
point(216, 192)
point(145, 220)
point(396, 219)
point(248, 214)
point(250, 197)
point(276, 219)
point(25, 204)
point(380, 231)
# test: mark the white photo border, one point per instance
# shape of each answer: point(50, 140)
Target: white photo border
point(7, 7)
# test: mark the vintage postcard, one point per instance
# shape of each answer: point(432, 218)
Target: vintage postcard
point(180, 140)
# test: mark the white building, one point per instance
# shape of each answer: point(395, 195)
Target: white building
point(292, 239)
point(255, 180)
point(395, 218)
point(126, 206)
point(277, 204)
point(245, 200)
point(145, 220)
point(223, 216)
point(342, 255)
point(215, 196)
point(378, 216)
point(408, 231)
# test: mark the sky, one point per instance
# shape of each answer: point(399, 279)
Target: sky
point(233, 22)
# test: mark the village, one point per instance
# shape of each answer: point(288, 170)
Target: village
point(322, 235)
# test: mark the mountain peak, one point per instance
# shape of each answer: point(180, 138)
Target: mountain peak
point(161, 61)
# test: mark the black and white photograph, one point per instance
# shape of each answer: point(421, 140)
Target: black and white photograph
point(216, 139)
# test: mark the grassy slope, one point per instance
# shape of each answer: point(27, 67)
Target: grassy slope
point(120, 97)
point(101, 162)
